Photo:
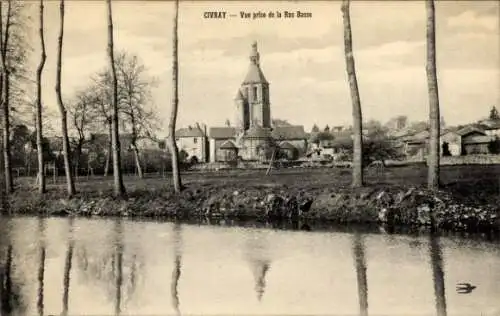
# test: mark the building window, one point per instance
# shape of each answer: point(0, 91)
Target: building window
point(255, 96)
point(195, 140)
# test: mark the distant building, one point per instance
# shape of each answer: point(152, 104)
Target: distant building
point(469, 140)
point(194, 142)
point(253, 130)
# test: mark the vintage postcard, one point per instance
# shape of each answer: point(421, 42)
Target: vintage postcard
point(176, 157)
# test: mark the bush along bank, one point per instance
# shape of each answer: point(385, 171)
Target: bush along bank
point(408, 206)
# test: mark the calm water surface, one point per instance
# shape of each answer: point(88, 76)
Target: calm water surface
point(109, 267)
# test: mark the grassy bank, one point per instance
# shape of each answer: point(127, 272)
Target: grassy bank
point(468, 199)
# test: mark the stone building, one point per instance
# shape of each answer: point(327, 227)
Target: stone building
point(253, 130)
point(193, 141)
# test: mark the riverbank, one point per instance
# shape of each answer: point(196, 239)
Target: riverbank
point(394, 197)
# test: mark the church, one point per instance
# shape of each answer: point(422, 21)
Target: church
point(253, 131)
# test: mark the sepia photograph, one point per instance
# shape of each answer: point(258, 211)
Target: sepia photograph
point(242, 157)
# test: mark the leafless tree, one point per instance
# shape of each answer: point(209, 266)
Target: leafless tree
point(119, 187)
point(83, 116)
point(134, 94)
point(62, 109)
point(432, 87)
point(357, 168)
point(4, 85)
point(175, 104)
point(39, 132)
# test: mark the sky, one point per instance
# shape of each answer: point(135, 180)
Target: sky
point(302, 58)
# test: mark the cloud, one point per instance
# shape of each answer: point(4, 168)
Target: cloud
point(470, 20)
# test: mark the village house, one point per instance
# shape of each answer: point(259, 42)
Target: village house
point(253, 131)
point(193, 141)
point(468, 140)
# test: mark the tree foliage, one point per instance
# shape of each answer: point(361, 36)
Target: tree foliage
point(377, 146)
point(494, 114)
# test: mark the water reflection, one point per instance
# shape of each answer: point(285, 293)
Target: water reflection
point(121, 267)
point(360, 264)
point(176, 273)
point(67, 268)
point(41, 265)
point(118, 264)
point(258, 257)
point(437, 274)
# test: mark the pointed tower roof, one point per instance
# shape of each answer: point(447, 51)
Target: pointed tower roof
point(254, 74)
point(239, 95)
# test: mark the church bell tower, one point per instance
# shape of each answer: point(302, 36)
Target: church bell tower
point(252, 100)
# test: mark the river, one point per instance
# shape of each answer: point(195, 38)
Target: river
point(112, 266)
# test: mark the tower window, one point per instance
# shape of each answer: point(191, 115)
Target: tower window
point(195, 140)
point(255, 97)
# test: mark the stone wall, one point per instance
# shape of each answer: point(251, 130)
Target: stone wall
point(471, 160)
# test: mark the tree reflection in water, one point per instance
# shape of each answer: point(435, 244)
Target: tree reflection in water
point(176, 273)
point(118, 266)
point(260, 263)
point(437, 274)
point(11, 300)
point(109, 267)
point(41, 265)
point(360, 264)
point(67, 267)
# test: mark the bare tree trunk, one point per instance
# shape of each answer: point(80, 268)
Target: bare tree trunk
point(5, 84)
point(432, 87)
point(64, 116)
point(39, 134)
point(119, 188)
point(110, 149)
point(3, 201)
point(357, 168)
point(175, 104)
point(138, 161)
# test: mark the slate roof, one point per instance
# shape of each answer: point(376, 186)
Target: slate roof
point(189, 132)
point(222, 132)
point(491, 124)
point(470, 129)
point(239, 95)
point(287, 145)
point(258, 132)
point(294, 132)
point(228, 145)
point(254, 75)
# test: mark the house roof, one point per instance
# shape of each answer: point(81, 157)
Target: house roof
point(228, 145)
point(222, 132)
point(258, 132)
point(189, 132)
point(287, 145)
point(239, 95)
point(470, 129)
point(491, 124)
point(478, 139)
point(289, 132)
point(254, 75)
